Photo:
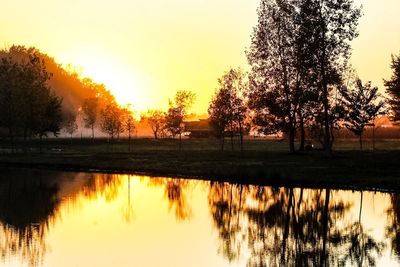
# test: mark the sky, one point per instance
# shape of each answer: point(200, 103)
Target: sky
point(145, 51)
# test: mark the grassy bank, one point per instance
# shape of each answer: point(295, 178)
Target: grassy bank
point(263, 161)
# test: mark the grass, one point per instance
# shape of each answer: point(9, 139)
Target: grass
point(263, 161)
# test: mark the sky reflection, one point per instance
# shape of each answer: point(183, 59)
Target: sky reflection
point(78, 219)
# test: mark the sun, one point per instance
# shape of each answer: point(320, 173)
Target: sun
point(117, 77)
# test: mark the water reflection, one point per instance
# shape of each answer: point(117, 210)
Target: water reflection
point(290, 227)
point(189, 222)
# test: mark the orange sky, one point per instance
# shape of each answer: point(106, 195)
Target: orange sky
point(145, 51)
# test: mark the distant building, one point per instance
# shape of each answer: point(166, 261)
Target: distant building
point(199, 129)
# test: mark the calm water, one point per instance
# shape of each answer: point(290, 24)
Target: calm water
point(81, 219)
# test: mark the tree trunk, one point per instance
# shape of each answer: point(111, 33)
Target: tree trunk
point(361, 203)
point(286, 229)
point(40, 143)
point(241, 137)
point(302, 133)
point(361, 144)
point(325, 227)
point(93, 132)
point(129, 140)
point(327, 131)
point(180, 141)
point(222, 142)
point(232, 138)
point(291, 138)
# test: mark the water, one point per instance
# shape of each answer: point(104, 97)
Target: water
point(80, 219)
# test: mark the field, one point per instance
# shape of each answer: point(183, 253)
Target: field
point(262, 162)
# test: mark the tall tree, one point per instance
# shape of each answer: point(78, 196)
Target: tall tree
point(49, 118)
point(361, 107)
point(393, 88)
point(273, 90)
point(227, 110)
point(332, 25)
point(69, 123)
point(90, 110)
point(29, 106)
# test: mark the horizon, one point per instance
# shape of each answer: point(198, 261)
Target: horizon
point(198, 45)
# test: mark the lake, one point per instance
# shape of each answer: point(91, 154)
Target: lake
point(50, 218)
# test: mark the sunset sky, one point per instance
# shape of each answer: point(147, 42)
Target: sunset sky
point(144, 51)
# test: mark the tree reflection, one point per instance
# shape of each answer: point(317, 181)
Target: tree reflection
point(289, 227)
point(28, 208)
point(175, 193)
point(225, 202)
point(392, 228)
point(102, 185)
point(30, 203)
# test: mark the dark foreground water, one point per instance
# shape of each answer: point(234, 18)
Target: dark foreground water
point(82, 219)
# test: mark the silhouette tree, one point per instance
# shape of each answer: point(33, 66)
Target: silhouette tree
point(332, 24)
point(360, 107)
point(129, 124)
point(274, 78)
point(177, 112)
point(156, 120)
point(393, 87)
point(227, 110)
point(49, 118)
point(29, 105)
point(111, 120)
point(69, 123)
point(90, 110)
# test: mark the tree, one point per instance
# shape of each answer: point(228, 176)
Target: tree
point(227, 110)
point(393, 87)
point(332, 26)
point(70, 124)
point(275, 80)
point(360, 107)
point(29, 106)
point(156, 120)
point(111, 120)
point(177, 112)
point(129, 123)
point(49, 118)
point(90, 107)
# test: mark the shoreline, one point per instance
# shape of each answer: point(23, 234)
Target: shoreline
point(233, 169)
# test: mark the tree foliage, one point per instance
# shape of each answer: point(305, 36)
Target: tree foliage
point(393, 87)
point(156, 120)
point(227, 110)
point(111, 121)
point(28, 106)
point(298, 51)
point(90, 111)
point(69, 123)
point(360, 107)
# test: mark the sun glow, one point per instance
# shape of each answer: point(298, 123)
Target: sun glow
point(118, 77)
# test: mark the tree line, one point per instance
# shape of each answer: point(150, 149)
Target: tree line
point(300, 77)
point(299, 83)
